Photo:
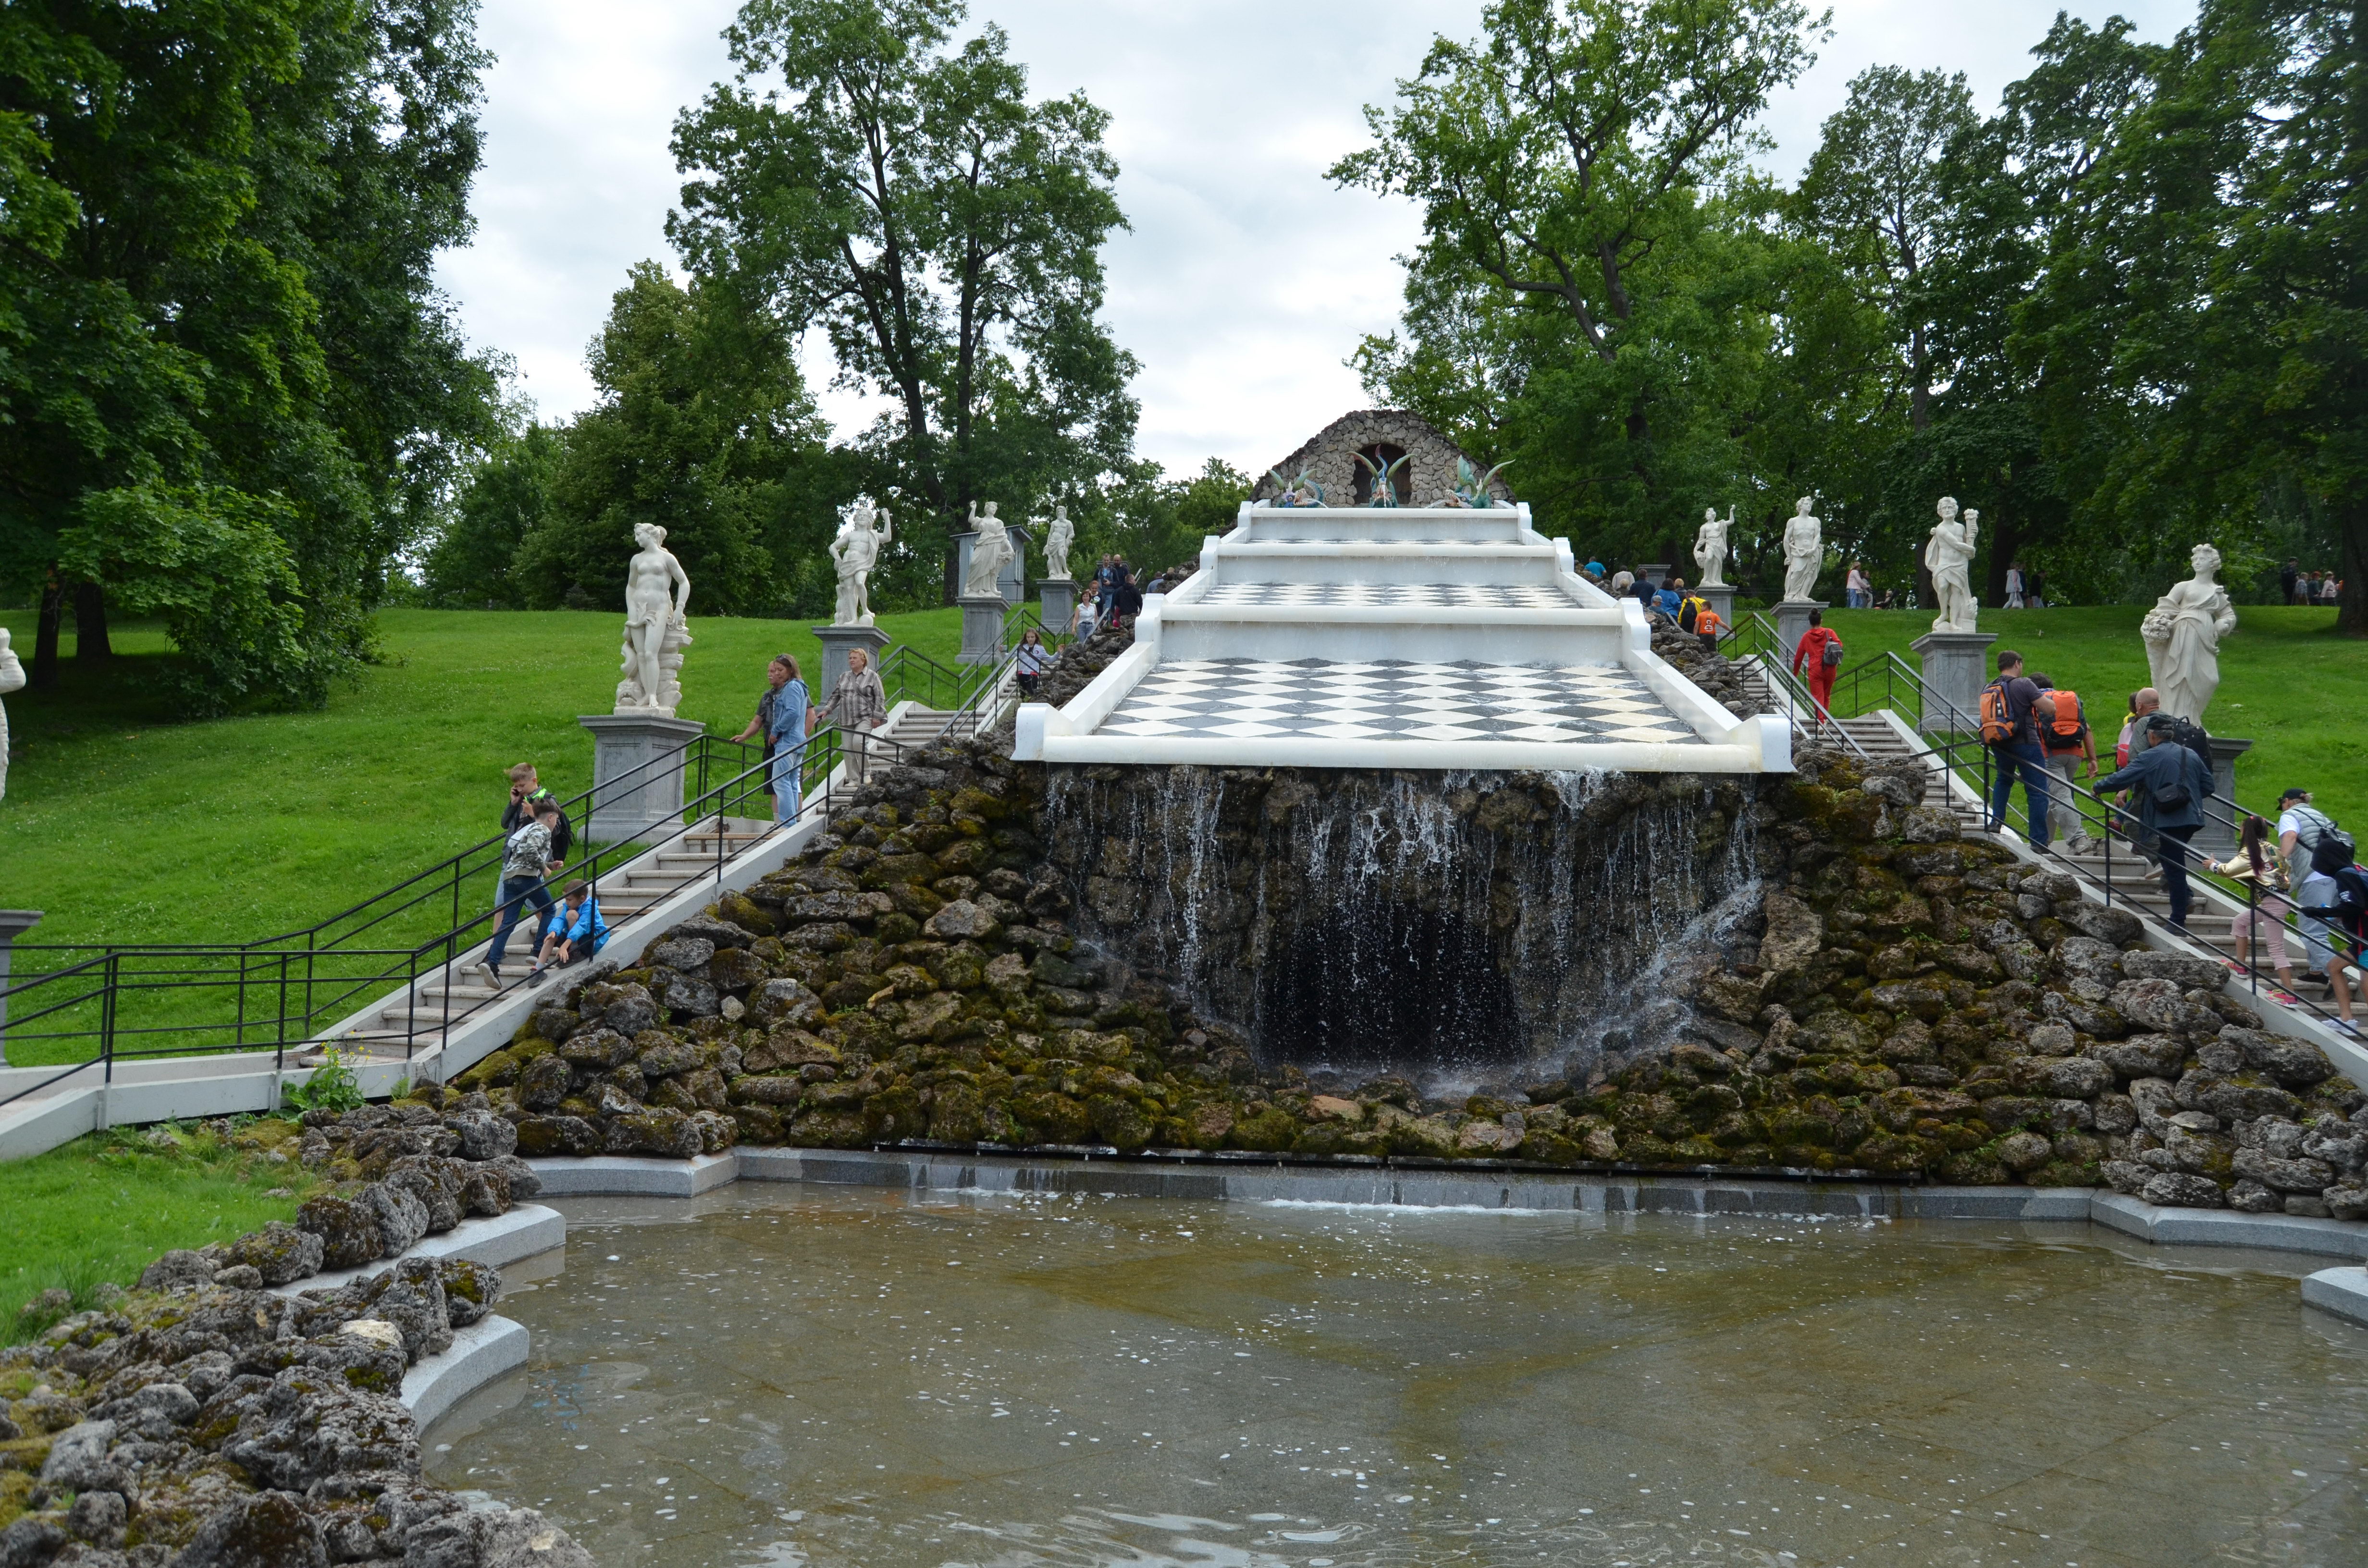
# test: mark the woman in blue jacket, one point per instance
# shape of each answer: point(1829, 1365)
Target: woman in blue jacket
point(2171, 783)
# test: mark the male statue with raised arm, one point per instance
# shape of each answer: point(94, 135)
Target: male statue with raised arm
point(854, 554)
point(1948, 555)
point(1710, 547)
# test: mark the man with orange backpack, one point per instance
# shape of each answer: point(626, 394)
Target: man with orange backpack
point(2011, 730)
point(2065, 737)
point(1820, 649)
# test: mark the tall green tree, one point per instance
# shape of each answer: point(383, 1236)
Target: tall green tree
point(504, 496)
point(704, 427)
point(1589, 213)
point(226, 381)
point(864, 176)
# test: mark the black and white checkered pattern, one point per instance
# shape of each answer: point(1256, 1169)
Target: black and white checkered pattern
point(1260, 700)
point(1411, 595)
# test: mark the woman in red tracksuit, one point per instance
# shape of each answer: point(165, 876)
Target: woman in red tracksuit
point(1812, 651)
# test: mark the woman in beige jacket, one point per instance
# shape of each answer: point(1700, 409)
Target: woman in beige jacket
point(858, 705)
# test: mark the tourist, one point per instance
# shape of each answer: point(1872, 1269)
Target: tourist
point(526, 789)
point(2263, 918)
point(1128, 600)
point(2009, 730)
point(781, 718)
point(2331, 590)
point(1821, 649)
point(857, 706)
point(1621, 581)
point(1708, 625)
point(526, 861)
point(2171, 783)
point(2034, 590)
point(1888, 600)
point(2300, 826)
point(2014, 586)
point(1105, 588)
point(2346, 917)
point(1856, 593)
point(1666, 598)
point(1034, 660)
point(2143, 701)
point(1595, 573)
point(2065, 737)
point(2290, 582)
point(576, 936)
point(1084, 627)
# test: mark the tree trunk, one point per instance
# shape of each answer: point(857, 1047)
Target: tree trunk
point(45, 637)
point(91, 645)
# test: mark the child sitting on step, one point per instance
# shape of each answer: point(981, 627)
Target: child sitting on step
point(577, 933)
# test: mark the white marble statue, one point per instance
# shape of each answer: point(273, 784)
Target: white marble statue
point(1710, 547)
point(1948, 556)
point(854, 554)
point(1804, 553)
point(1059, 534)
point(2182, 636)
point(989, 552)
point(12, 679)
point(655, 631)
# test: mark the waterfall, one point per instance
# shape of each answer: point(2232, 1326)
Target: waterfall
point(1458, 926)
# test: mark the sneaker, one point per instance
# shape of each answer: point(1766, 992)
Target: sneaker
point(537, 975)
point(2345, 1027)
point(2285, 998)
point(487, 973)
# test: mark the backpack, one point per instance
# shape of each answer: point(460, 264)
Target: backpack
point(1998, 714)
point(2331, 848)
point(1831, 655)
point(2067, 725)
point(1690, 610)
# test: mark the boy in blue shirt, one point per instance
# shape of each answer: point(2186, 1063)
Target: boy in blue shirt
point(577, 933)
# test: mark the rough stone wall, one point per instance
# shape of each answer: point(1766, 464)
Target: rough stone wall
point(1327, 458)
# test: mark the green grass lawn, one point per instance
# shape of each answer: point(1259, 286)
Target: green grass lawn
point(124, 825)
point(2287, 683)
point(98, 1211)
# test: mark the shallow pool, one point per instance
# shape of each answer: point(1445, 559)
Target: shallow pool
point(767, 1376)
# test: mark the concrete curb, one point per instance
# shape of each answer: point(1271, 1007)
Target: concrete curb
point(1424, 1188)
point(2342, 1292)
point(498, 1240)
point(480, 1353)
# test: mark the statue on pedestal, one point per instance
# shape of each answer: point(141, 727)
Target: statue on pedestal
point(854, 554)
point(1710, 547)
point(12, 679)
point(655, 632)
point(1804, 553)
point(989, 553)
point(1059, 534)
point(1948, 556)
point(2182, 636)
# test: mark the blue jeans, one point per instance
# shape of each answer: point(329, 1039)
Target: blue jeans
point(516, 893)
point(2174, 871)
point(789, 791)
point(2024, 760)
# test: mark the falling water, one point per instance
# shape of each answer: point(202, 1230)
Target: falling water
point(1457, 926)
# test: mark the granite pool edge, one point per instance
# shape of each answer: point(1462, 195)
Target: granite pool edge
point(2342, 1291)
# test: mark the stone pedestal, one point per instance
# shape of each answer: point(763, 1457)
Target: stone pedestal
point(1056, 602)
point(14, 923)
point(1720, 597)
point(837, 641)
point(981, 640)
point(2222, 819)
point(1956, 667)
point(637, 773)
point(1793, 623)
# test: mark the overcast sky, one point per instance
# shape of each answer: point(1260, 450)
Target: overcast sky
point(1247, 278)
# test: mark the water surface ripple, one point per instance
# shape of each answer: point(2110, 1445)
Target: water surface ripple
point(773, 1376)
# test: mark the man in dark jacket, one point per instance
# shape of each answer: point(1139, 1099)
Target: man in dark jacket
point(2171, 785)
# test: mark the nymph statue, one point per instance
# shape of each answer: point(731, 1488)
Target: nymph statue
point(1059, 534)
point(1302, 491)
point(1804, 553)
point(854, 554)
point(656, 594)
point(1948, 556)
point(989, 552)
point(1710, 547)
point(12, 679)
point(2182, 636)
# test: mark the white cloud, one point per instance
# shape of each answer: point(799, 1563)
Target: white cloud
point(1245, 280)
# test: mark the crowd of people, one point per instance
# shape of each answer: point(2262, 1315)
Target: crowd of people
point(534, 853)
point(2301, 587)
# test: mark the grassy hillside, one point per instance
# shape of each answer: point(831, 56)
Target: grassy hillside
point(124, 825)
point(2287, 683)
